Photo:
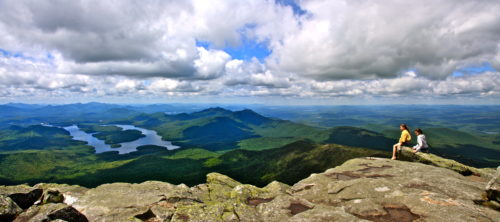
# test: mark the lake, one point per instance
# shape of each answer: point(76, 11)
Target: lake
point(152, 138)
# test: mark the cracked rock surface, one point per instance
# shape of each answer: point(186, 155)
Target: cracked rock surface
point(363, 189)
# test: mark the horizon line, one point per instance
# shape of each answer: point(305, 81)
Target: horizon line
point(252, 104)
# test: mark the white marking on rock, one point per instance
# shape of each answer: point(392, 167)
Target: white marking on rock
point(382, 189)
point(69, 200)
point(396, 193)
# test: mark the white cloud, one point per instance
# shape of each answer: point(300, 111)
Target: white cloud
point(336, 48)
point(28, 82)
point(150, 38)
point(253, 73)
point(211, 63)
point(172, 85)
point(368, 40)
point(496, 60)
point(413, 86)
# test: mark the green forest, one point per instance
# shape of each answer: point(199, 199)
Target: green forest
point(242, 144)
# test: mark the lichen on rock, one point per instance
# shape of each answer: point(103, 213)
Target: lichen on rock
point(361, 189)
point(493, 187)
point(8, 208)
point(407, 154)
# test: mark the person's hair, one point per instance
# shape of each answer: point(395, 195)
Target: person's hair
point(419, 131)
point(405, 126)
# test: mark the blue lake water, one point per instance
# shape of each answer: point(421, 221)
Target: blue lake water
point(151, 138)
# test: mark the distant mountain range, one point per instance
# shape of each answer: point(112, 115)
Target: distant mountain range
point(220, 129)
point(26, 114)
point(244, 144)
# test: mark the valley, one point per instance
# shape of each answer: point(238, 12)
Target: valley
point(182, 147)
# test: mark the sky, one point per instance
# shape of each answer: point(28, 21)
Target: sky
point(284, 52)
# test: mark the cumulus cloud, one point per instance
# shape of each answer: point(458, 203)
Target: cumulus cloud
point(170, 85)
point(150, 38)
point(22, 78)
point(368, 40)
point(413, 85)
point(329, 49)
point(210, 63)
point(496, 60)
point(254, 73)
point(92, 31)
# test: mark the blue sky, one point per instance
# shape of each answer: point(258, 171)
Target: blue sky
point(12, 54)
point(292, 3)
point(245, 50)
point(271, 52)
point(474, 70)
point(248, 49)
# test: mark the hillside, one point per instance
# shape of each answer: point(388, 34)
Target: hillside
point(249, 130)
point(188, 166)
point(352, 136)
point(373, 189)
point(287, 164)
point(254, 149)
point(204, 128)
point(35, 137)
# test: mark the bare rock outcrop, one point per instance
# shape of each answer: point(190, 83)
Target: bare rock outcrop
point(362, 189)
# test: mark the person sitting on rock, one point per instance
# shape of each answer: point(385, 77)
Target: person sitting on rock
point(403, 140)
point(422, 145)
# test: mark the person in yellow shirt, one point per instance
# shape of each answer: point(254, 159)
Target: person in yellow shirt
point(403, 140)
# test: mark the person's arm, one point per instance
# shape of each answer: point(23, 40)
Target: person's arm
point(415, 147)
point(418, 147)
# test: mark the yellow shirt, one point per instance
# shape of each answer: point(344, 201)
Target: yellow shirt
point(405, 136)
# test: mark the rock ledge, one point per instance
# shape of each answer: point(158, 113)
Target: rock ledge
point(363, 189)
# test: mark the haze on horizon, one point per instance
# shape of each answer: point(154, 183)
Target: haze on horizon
point(267, 52)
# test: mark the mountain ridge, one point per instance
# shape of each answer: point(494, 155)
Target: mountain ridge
point(182, 128)
point(245, 129)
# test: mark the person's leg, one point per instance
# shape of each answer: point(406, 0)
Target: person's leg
point(394, 150)
point(401, 145)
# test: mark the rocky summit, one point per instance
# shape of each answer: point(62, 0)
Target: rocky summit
point(363, 189)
